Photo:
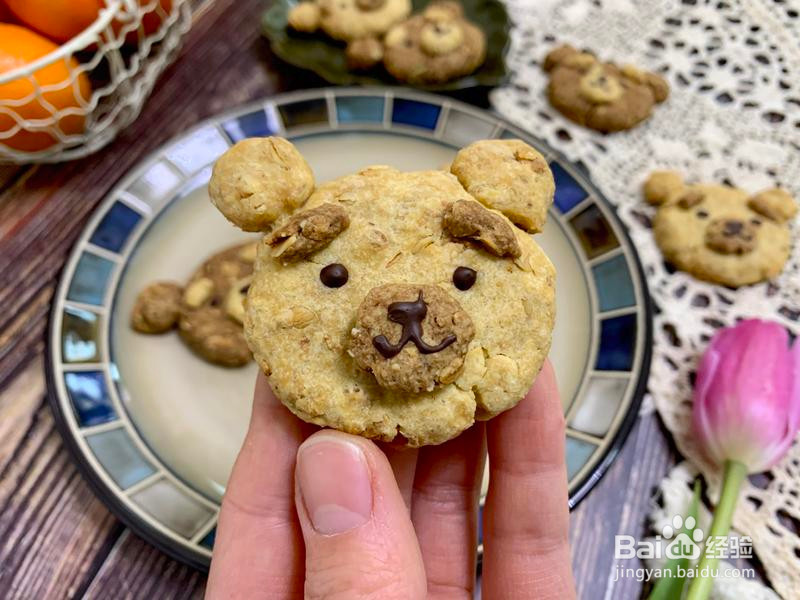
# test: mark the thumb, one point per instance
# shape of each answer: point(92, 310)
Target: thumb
point(359, 539)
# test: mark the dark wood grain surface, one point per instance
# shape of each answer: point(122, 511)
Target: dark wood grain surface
point(57, 539)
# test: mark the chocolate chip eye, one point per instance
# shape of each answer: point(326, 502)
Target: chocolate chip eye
point(335, 275)
point(464, 278)
point(701, 214)
point(756, 222)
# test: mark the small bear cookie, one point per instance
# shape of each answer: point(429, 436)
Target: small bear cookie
point(348, 20)
point(435, 46)
point(599, 95)
point(208, 311)
point(719, 233)
point(401, 306)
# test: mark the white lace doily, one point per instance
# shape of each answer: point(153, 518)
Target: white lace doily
point(733, 116)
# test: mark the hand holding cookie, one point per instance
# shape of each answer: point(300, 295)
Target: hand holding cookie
point(335, 515)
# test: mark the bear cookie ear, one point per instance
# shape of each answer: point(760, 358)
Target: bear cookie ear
point(775, 204)
point(568, 56)
point(510, 177)
point(662, 186)
point(258, 180)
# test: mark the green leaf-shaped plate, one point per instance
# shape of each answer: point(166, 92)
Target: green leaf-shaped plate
point(326, 57)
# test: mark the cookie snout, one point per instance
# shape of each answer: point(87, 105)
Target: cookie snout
point(731, 236)
point(411, 337)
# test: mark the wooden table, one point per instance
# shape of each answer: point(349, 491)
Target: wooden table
point(56, 538)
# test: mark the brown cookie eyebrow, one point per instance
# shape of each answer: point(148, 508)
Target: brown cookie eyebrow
point(471, 220)
point(308, 231)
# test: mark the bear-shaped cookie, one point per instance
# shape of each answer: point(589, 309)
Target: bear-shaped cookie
point(395, 305)
point(208, 311)
point(348, 20)
point(601, 95)
point(720, 233)
point(435, 46)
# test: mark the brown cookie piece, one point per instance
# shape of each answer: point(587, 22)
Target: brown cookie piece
point(210, 323)
point(157, 307)
point(471, 220)
point(435, 46)
point(208, 311)
point(364, 53)
point(411, 337)
point(601, 95)
point(731, 236)
point(308, 231)
point(213, 336)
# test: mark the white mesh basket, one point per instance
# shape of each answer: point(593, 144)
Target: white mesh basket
point(54, 121)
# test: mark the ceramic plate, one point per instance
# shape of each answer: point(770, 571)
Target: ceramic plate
point(156, 429)
point(326, 57)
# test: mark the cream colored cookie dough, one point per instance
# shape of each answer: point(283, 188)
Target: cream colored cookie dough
point(519, 183)
point(409, 323)
point(348, 20)
point(720, 233)
point(276, 179)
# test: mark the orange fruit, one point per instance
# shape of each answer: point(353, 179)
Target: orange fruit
point(20, 46)
point(60, 20)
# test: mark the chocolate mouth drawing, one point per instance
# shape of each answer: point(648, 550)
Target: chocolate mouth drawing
point(410, 315)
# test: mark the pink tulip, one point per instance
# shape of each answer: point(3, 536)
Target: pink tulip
point(747, 395)
point(746, 415)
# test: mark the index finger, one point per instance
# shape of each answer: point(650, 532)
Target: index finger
point(526, 518)
point(259, 545)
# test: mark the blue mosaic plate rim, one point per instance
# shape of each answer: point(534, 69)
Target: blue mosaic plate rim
point(197, 553)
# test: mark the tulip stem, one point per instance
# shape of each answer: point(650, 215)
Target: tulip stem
point(735, 474)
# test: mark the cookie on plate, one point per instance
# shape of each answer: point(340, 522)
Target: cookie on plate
point(720, 233)
point(348, 20)
point(208, 311)
point(600, 95)
point(435, 46)
point(403, 306)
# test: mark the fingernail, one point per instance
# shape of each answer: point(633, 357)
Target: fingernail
point(334, 482)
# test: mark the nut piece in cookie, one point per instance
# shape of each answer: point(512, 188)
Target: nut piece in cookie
point(404, 306)
point(717, 232)
point(208, 311)
point(601, 95)
point(433, 47)
point(257, 180)
point(348, 20)
point(157, 308)
point(510, 177)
